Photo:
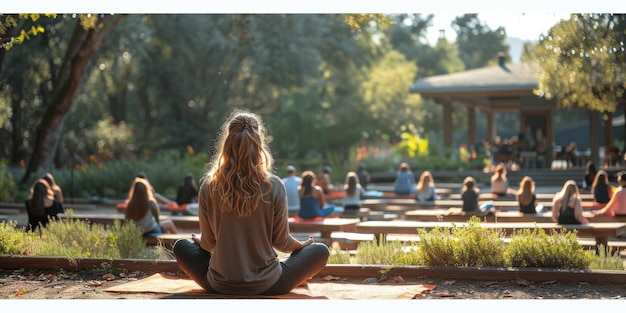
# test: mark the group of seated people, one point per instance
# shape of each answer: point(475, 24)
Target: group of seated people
point(307, 196)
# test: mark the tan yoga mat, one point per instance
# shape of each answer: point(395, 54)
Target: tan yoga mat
point(166, 284)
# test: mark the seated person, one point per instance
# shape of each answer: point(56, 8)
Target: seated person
point(323, 181)
point(617, 204)
point(41, 205)
point(526, 196)
point(404, 183)
point(567, 207)
point(143, 210)
point(426, 187)
point(499, 182)
point(354, 192)
point(602, 191)
point(312, 199)
point(469, 196)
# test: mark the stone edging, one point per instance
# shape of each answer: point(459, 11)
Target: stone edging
point(14, 262)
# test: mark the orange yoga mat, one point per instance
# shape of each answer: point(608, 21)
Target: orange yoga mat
point(166, 284)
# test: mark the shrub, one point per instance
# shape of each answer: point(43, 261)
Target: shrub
point(470, 245)
point(73, 239)
point(371, 252)
point(607, 260)
point(7, 183)
point(535, 248)
point(338, 256)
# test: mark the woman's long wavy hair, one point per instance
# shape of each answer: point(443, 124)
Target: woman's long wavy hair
point(307, 183)
point(240, 172)
point(426, 180)
point(570, 189)
point(601, 179)
point(352, 180)
point(139, 198)
point(499, 173)
point(38, 193)
point(527, 189)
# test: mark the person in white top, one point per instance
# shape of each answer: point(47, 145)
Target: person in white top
point(354, 193)
point(292, 181)
point(500, 184)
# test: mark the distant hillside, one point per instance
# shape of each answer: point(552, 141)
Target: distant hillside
point(516, 46)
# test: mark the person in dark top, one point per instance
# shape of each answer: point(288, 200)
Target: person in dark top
point(312, 199)
point(323, 180)
point(567, 207)
point(469, 195)
point(364, 176)
point(187, 191)
point(526, 195)
point(41, 206)
point(602, 191)
point(590, 175)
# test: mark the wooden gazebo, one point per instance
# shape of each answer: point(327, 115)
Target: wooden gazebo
point(494, 89)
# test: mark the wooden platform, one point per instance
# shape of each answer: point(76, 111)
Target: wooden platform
point(507, 216)
point(600, 231)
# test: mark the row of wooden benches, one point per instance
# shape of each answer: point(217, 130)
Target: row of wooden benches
point(601, 230)
point(401, 205)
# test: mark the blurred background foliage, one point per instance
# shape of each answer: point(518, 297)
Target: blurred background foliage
point(333, 89)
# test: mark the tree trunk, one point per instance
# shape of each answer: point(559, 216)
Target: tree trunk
point(70, 79)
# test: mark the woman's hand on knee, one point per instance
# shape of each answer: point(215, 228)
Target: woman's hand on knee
point(308, 241)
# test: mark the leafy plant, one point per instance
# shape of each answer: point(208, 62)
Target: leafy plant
point(74, 239)
point(7, 182)
point(607, 259)
point(338, 256)
point(471, 245)
point(536, 248)
point(373, 252)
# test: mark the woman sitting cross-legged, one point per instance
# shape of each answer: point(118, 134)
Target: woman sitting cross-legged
point(602, 191)
point(312, 199)
point(354, 192)
point(426, 187)
point(244, 221)
point(567, 207)
point(41, 205)
point(143, 210)
point(526, 197)
point(469, 197)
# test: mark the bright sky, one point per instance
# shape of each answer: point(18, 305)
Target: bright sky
point(526, 26)
point(318, 6)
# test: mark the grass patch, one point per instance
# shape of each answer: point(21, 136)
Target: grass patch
point(75, 239)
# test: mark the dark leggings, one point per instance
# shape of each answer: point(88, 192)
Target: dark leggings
point(297, 268)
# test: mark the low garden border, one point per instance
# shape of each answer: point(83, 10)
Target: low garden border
point(15, 262)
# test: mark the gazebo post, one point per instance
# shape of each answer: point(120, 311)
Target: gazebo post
point(447, 124)
point(471, 126)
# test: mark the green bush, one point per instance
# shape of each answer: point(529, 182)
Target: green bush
point(7, 183)
point(536, 248)
point(387, 252)
point(607, 259)
point(73, 239)
point(471, 245)
point(113, 179)
point(338, 256)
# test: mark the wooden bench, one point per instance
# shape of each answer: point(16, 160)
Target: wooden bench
point(498, 205)
point(600, 231)
point(507, 216)
point(540, 197)
point(325, 227)
point(20, 207)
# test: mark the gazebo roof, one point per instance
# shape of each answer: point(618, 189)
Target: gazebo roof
point(505, 80)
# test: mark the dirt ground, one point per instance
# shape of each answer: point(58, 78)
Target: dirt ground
point(85, 284)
